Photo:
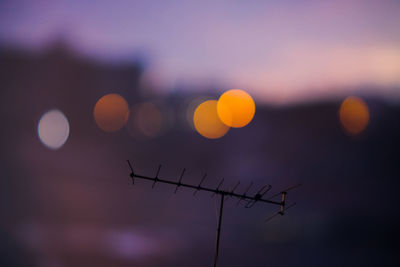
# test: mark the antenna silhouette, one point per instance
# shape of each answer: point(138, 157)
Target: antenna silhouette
point(248, 199)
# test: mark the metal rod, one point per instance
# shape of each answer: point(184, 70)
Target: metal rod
point(180, 180)
point(201, 188)
point(280, 212)
point(287, 189)
point(156, 178)
point(244, 194)
point(221, 207)
point(220, 183)
point(131, 174)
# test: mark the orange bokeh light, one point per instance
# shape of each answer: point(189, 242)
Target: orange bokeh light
point(236, 108)
point(111, 112)
point(207, 122)
point(354, 115)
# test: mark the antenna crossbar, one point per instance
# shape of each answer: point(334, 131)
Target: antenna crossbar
point(202, 188)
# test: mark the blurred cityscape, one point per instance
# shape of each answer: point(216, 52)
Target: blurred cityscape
point(76, 206)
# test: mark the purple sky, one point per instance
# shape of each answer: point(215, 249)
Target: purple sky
point(279, 51)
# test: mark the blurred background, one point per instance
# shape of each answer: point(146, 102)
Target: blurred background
point(325, 79)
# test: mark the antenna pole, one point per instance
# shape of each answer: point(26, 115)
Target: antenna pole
point(221, 207)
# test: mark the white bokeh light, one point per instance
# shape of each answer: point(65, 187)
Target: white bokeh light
point(53, 129)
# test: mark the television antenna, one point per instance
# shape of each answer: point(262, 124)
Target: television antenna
point(249, 200)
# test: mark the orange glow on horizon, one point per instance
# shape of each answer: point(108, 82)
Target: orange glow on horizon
point(111, 112)
point(236, 108)
point(354, 115)
point(207, 122)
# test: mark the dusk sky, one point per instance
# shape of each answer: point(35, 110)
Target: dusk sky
point(279, 51)
point(271, 94)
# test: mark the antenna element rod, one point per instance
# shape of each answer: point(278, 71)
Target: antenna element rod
point(221, 207)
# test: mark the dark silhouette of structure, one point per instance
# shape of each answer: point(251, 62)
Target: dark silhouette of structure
point(251, 200)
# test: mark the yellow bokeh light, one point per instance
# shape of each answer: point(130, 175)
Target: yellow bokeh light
point(207, 122)
point(236, 108)
point(111, 112)
point(354, 115)
point(191, 108)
